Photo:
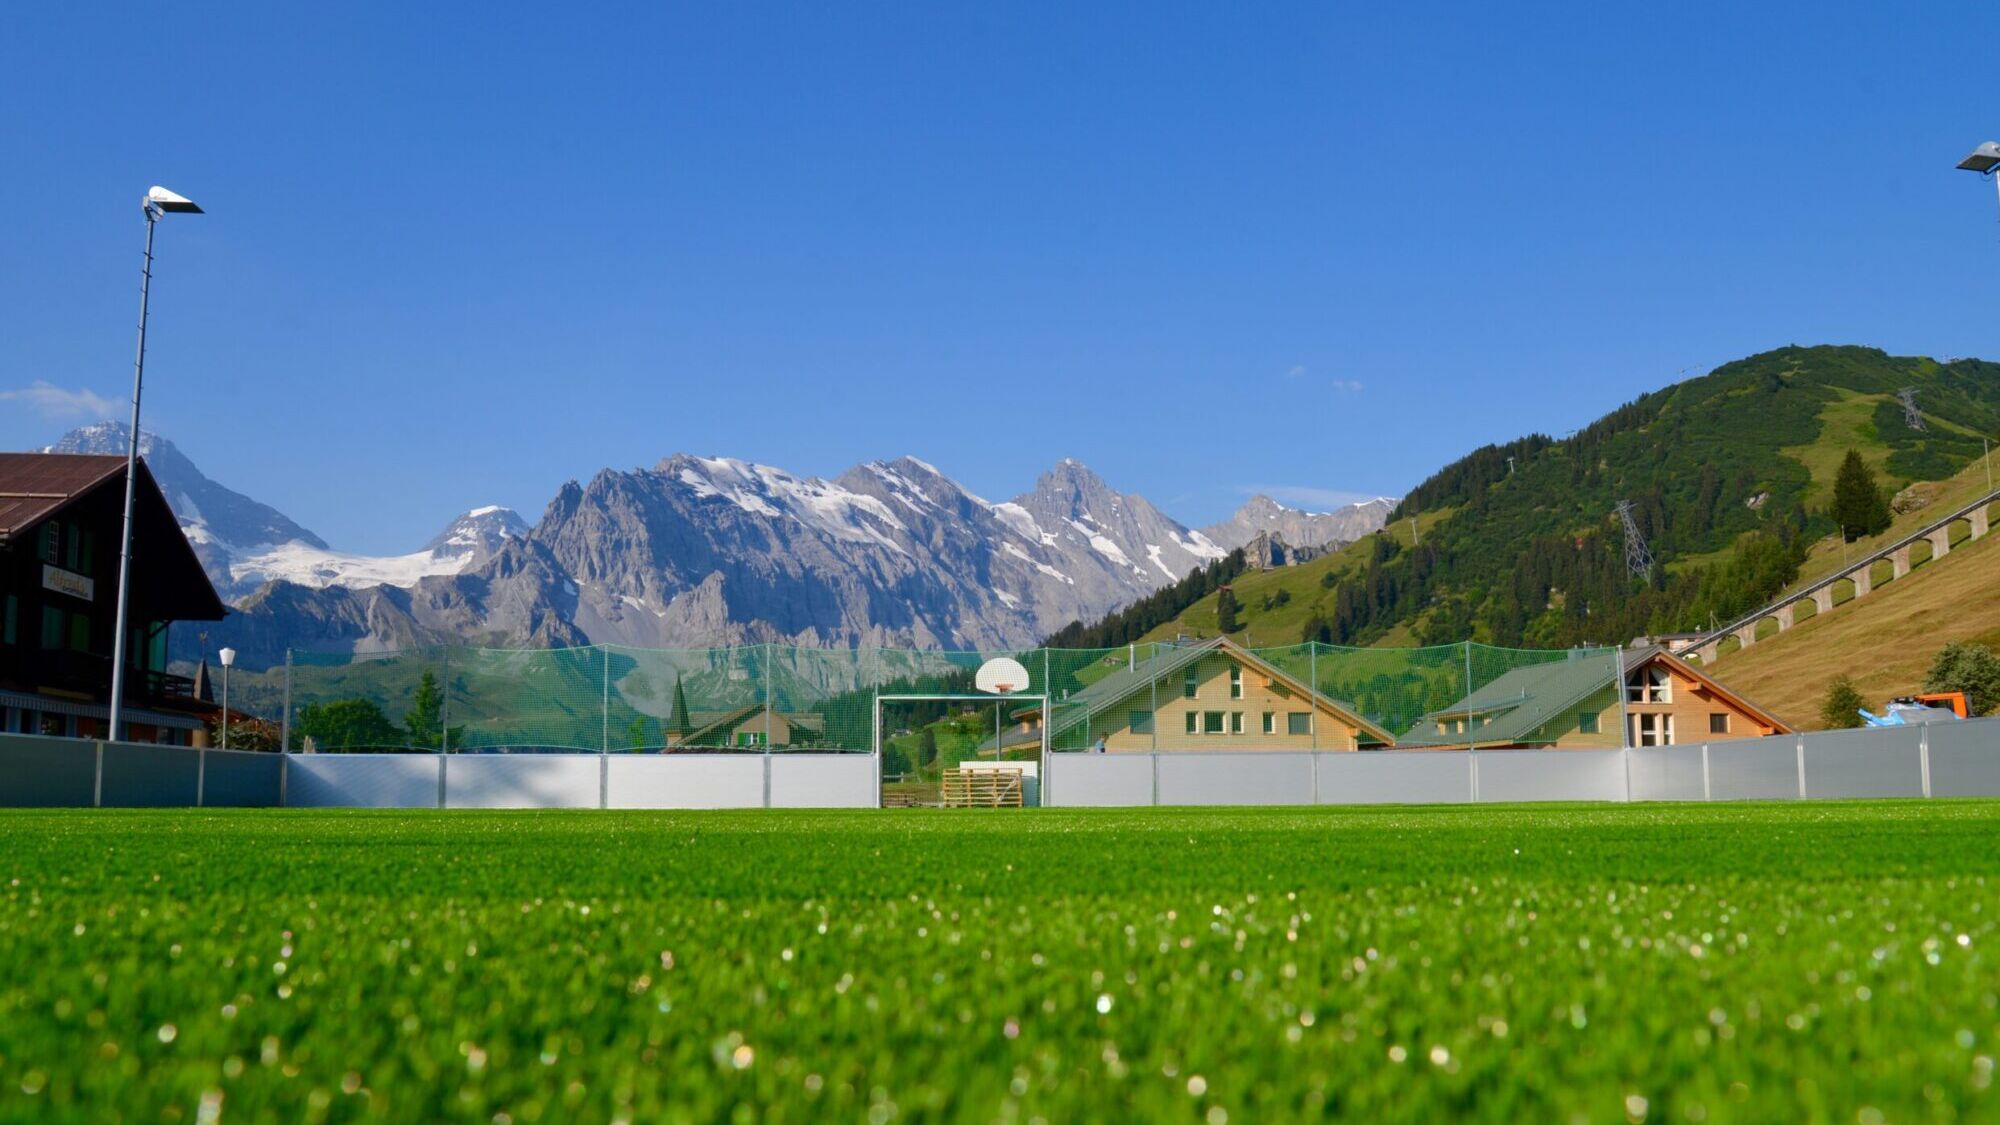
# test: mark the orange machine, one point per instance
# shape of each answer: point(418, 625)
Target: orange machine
point(1953, 701)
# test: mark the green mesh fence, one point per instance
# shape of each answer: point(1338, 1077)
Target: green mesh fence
point(1165, 696)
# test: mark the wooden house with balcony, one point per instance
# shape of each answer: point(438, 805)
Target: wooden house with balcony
point(61, 516)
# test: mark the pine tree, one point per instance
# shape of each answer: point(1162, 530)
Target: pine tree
point(1843, 705)
point(1858, 504)
point(679, 724)
point(927, 747)
point(1225, 611)
point(425, 720)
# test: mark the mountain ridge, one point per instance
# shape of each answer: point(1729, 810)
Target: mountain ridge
point(1517, 544)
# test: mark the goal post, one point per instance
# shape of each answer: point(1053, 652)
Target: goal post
point(1040, 701)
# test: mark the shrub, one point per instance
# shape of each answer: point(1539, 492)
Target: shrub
point(1970, 668)
point(1843, 705)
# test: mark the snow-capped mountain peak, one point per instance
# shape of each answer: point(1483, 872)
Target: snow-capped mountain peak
point(477, 535)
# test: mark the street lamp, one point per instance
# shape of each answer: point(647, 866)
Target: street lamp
point(1984, 160)
point(159, 201)
point(228, 656)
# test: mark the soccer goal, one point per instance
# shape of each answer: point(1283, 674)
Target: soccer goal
point(963, 749)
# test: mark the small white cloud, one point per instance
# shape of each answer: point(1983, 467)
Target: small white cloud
point(52, 401)
point(1296, 371)
point(1347, 386)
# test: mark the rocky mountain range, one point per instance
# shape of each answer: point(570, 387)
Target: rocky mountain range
point(1263, 516)
point(696, 552)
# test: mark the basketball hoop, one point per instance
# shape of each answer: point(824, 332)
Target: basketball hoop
point(1001, 675)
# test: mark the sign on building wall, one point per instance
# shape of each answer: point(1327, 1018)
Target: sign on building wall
point(68, 582)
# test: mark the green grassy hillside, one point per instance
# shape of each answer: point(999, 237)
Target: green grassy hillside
point(1728, 474)
point(1883, 642)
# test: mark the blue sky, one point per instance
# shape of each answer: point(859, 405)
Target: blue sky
point(455, 258)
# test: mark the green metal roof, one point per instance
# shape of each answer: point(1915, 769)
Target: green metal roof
point(1520, 701)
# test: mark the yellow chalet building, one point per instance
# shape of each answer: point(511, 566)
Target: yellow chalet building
point(1206, 695)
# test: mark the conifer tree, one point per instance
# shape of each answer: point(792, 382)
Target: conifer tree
point(1225, 611)
point(679, 724)
point(1858, 504)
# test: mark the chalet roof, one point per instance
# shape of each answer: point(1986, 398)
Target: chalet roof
point(167, 578)
point(707, 723)
point(35, 486)
point(1520, 701)
point(1167, 660)
point(1516, 703)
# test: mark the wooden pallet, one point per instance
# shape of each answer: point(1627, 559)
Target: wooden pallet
point(982, 789)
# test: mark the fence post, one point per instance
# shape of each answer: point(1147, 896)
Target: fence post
point(1924, 754)
point(1155, 756)
point(1472, 758)
point(1312, 706)
point(767, 697)
point(1707, 793)
point(285, 723)
point(97, 780)
point(606, 743)
point(1625, 756)
point(284, 777)
point(1625, 719)
point(201, 769)
point(441, 764)
point(444, 707)
point(1471, 743)
point(1801, 745)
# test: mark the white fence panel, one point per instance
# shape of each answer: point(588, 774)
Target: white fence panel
point(824, 781)
point(1884, 762)
point(1754, 769)
point(38, 772)
point(1666, 773)
point(1395, 777)
point(1098, 780)
point(1551, 775)
point(1236, 778)
point(137, 775)
point(686, 781)
point(362, 781)
point(521, 781)
point(1965, 759)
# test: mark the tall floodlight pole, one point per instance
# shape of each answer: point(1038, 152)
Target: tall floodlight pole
point(1984, 160)
point(158, 202)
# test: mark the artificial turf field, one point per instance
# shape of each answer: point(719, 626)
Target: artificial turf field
point(1668, 963)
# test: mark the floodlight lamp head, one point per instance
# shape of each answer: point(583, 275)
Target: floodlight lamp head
point(160, 201)
point(1983, 160)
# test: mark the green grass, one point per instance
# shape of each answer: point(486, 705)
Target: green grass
point(1722, 963)
point(1283, 624)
